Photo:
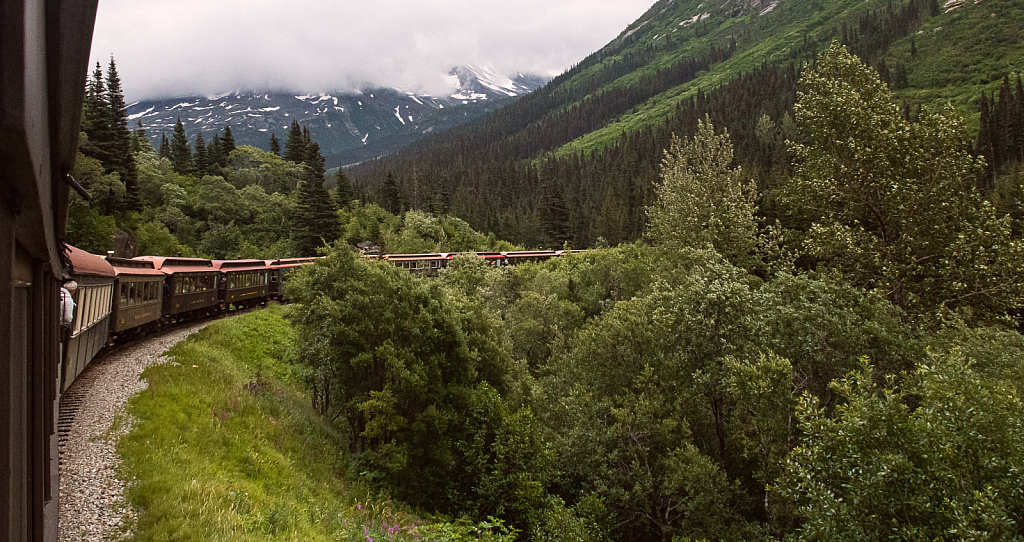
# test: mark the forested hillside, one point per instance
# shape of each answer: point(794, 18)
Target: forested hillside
point(578, 160)
point(218, 200)
point(851, 375)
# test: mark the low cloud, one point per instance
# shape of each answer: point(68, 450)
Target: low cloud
point(166, 48)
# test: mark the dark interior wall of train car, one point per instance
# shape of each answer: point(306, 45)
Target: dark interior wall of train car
point(44, 55)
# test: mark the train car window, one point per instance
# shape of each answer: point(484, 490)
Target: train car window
point(124, 294)
point(88, 307)
point(76, 324)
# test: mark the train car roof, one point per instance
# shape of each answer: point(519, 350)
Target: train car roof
point(239, 265)
point(406, 257)
point(84, 263)
point(176, 264)
point(128, 266)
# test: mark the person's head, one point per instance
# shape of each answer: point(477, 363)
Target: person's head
point(71, 286)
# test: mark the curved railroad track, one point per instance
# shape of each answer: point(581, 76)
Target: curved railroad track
point(90, 420)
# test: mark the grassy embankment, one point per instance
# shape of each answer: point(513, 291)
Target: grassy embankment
point(225, 446)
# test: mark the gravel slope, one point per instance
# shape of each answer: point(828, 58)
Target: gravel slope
point(91, 497)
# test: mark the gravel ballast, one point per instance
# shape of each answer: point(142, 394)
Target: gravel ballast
point(92, 505)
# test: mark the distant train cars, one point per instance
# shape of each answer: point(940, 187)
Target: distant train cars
point(119, 297)
point(432, 264)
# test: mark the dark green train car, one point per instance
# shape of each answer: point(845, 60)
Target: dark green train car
point(190, 284)
point(279, 270)
point(244, 282)
point(139, 295)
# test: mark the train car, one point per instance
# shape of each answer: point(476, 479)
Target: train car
point(243, 282)
point(279, 271)
point(90, 327)
point(521, 256)
point(138, 303)
point(422, 264)
point(191, 284)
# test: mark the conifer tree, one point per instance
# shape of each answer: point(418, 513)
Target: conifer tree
point(201, 160)
point(275, 145)
point(390, 199)
point(295, 146)
point(181, 152)
point(214, 151)
point(552, 214)
point(315, 161)
point(94, 108)
point(315, 221)
point(165, 147)
point(344, 193)
point(121, 158)
point(227, 144)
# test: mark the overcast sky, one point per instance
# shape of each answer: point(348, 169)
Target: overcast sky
point(170, 48)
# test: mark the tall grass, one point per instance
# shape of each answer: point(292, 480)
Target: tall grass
point(225, 446)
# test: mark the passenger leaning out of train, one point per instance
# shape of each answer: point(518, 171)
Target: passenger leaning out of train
point(67, 304)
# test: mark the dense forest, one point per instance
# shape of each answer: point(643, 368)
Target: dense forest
point(212, 199)
point(851, 373)
point(521, 175)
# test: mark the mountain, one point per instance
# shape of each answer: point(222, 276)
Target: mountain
point(349, 126)
point(578, 159)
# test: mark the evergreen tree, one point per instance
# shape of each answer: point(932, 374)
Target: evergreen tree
point(344, 193)
point(181, 152)
point(165, 147)
point(227, 144)
point(201, 160)
point(390, 198)
point(214, 151)
point(94, 108)
point(552, 214)
point(121, 158)
point(315, 219)
point(275, 145)
point(315, 161)
point(295, 146)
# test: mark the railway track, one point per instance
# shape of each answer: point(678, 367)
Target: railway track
point(71, 400)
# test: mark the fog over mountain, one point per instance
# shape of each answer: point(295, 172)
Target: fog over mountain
point(167, 48)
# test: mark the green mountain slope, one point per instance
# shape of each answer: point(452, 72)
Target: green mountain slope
point(544, 169)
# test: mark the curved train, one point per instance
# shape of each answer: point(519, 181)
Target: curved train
point(121, 297)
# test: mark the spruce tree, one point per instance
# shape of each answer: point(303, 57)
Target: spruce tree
point(201, 159)
point(552, 213)
point(181, 152)
point(227, 144)
point(344, 193)
point(315, 221)
point(121, 158)
point(390, 199)
point(315, 161)
point(275, 145)
point(94, 108)
point(295, 146)
point(214, 151)
point(165, 147)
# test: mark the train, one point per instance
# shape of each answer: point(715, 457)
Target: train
point(122, 298)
